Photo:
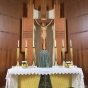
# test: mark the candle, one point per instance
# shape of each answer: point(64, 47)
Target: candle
point(26, 43)
point(62, 43)
point(18, 43)
point(70, 43)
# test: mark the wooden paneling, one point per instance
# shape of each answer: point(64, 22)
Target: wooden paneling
point(81, 7)
point(71, 10)
point(10, 25)
point(79, 40)
point(10, 28)
point(27, 32)
point(86, 6)
point(49, 4)
point(20, 2)
point(76, 13)
point(10, 8)
point(2, 76)
point(80, 60)
point(60, 31)
point(74, 25)
point(1, 6)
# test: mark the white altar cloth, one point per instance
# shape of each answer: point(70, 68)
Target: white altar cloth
point(12, 75)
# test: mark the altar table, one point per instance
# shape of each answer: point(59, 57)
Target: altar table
point(61, 77)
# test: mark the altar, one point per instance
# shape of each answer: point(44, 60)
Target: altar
point(61, 77)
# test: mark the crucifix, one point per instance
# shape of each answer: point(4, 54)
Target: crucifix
point(44, 24)
point(45, 84)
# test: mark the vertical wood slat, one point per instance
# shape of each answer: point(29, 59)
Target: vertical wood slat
point(2, 76)
point(43, 12)
point(61, 35)
point(10, 14)
point(77, 24)
point(10, 8)
point(60, 32)
point(27, 32)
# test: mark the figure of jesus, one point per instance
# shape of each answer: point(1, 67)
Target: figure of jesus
point(44, 34)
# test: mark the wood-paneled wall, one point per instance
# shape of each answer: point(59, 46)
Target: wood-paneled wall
point(11, 12)
point(76, 13)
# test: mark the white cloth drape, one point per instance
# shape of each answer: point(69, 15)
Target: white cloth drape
point(12, 75)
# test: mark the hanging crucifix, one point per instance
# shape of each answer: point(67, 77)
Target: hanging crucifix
point(43, 26)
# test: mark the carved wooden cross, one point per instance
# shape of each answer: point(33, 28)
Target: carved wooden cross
point(43, 24)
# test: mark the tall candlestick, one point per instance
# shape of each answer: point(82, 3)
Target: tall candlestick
point(55, 43)
point(33, 57)
point(26, 53)
point(56, 53)
point(70, 43)
point(33, 43)
point(62, 43)
point(63, 53)
point(18, 43)
point(55, 56)
point(18, 53)
point(71, 53)
point(34, 53)
point(26, 44)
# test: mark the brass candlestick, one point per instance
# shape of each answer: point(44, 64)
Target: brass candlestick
point(18, 53)
point(33, 64)
point(63, 55)
point(71, 55)
point(26, 53)
point(55, 56)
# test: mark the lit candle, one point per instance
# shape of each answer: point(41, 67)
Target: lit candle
point(18, 43)
point(62, 43)
point(26, 43)
point(70, 43)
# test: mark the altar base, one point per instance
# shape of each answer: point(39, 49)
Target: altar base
point(57, 81)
